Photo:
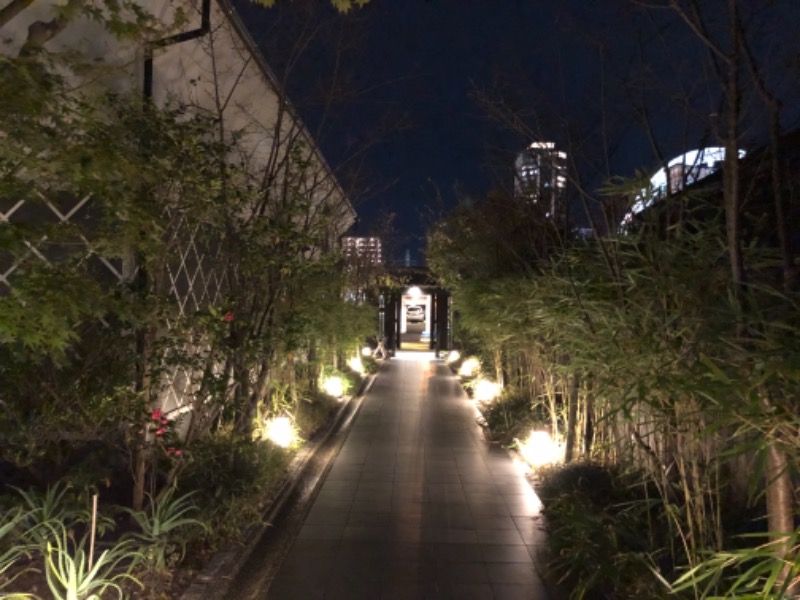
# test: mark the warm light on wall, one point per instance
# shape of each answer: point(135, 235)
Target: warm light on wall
point(540, 449)
point(280, 431)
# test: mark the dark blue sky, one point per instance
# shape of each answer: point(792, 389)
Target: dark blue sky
point(411, 134)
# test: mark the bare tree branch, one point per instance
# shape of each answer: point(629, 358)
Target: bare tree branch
point(12, 9)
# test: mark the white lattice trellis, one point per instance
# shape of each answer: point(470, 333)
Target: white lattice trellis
point(194, 274)
point(195, 280)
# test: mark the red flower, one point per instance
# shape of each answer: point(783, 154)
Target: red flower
point(228, 317)
point(174, 452)
point(161, 430)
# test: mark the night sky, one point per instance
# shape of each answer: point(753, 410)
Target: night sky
point(432, 99)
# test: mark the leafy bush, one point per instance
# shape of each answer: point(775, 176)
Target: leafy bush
point(508, 417)
point(314, 412)
point(605, 536)
point(593, 481)
point(232, 475)
point(353, 380)
point(371, 365)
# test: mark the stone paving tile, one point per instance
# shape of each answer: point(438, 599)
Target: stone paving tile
point(505, 591)
point(417, 505)
point(322, 516)
point(508, 537)
point(512, 573)
point(291, 589)
point(321, 532)
point(494, 522)
point(501, 553)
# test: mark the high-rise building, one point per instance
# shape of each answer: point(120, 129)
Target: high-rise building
point(363, 250)
point(540, 176)
point(364, 260)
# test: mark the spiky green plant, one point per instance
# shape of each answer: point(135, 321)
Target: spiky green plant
point(11, 548)
point(162, 528)
point(751, 572)
point(72, 576)
point(54, 506)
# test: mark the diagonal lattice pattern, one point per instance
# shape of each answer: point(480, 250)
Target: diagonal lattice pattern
point(194, 276)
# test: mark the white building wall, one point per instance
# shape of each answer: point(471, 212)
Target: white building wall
point(220, 73)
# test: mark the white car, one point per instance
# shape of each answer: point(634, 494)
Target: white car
point(415, 314)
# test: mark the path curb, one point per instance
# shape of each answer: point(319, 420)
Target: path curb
point(224, 567)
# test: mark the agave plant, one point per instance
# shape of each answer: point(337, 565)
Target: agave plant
point(11, 550)
point(71, 575)
point(161, 526)
point(55, 506)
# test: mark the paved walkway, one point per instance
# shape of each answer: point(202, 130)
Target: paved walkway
point(416, 504)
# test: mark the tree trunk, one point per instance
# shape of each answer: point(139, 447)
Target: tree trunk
point(139, 476)
point(780, 512)
point(144, 385)
point(779, 494)
point(731, 180)
point(572, 417)
point(787, 258)
point(588, 427)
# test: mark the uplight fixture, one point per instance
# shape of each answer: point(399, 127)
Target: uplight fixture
point(486, 391)
point(280, 431)
point(452, 356)
point(470, 367)
point(356, 365)
point(333, 386)
point(540, 449)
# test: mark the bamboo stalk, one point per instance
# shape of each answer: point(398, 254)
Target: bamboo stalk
point(94, 530)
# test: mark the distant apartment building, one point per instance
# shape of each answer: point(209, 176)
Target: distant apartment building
point(364, 260)
point(540, 177)
point(363, 250)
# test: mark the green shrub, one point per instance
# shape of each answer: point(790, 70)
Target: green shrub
point(593, 481)
point(508, 417)
point(232, 475)
point(605, 536)
point(353, 381)
point(370, 365)
point(314, 412)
